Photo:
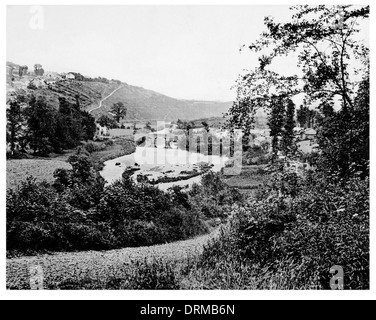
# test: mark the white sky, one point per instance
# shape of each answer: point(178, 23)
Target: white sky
point(187, 52)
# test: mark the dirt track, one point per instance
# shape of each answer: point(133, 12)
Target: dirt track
point(61, 266)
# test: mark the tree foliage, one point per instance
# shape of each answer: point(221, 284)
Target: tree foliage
point(77, 211)
point(288, 138)
point(106, 121)
point(330, 62)
point(15, 121)
point(120, 110)
point(44, 129)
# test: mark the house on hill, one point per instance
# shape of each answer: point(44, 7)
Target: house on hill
point(70, 76)
point(308, 134)
point(51, 76)
point(101, 131)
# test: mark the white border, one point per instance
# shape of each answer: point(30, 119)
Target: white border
point(169, 295)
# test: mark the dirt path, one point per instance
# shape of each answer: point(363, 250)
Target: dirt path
point(61, 266)
point(106, 97)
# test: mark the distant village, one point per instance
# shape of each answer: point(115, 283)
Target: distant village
point(19, 76)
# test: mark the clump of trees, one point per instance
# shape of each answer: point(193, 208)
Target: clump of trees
point(301, 225)
point(106, 121)
point(77, 212)
point(330, 58)
point(32, 123)
point(307, 118)
point(281, 123)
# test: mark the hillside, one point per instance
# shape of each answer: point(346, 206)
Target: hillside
point(143, 104)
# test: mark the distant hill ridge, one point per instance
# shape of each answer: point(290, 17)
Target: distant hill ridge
point(150, 105)
point(142, 104)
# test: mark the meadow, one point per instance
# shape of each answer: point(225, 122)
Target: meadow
point(18, 170)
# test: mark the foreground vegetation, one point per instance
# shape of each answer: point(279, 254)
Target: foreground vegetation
point(286, 235)
point(77, 212)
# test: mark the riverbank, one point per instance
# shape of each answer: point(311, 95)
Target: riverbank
point(119, 148)
point(42, 168)
point(163, 167)
point(198, 170)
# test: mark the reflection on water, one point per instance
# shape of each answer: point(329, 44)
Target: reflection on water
point(157, 162)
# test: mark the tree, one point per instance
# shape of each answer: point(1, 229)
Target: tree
point(73, 125)
point(88, 126)
point(344, 137)
point(330, 57)
point(275, 123)
point(38, 70)
point(301, 116)
point(288, 144)
point(324, 38)
point(14, 123)
point(41, 125)
point(119, 110)
point(22, 70)
point(106, 121)
point(242, 114)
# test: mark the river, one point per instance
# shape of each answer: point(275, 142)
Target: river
point(158, 162)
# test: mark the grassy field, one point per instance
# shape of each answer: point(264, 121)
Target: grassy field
point(43, 169)
point(19, 170)
point(250, 178)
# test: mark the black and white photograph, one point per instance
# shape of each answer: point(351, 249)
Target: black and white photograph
point(187, 148)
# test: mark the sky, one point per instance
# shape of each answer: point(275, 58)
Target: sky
point(186, 52)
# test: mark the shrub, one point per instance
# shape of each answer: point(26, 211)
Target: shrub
point(95, 146)
point(213, 198)
point(300, 228)
point(32, 86)
point(76, 212)
point(144, 215)
point(38, 219)
point(154, 275)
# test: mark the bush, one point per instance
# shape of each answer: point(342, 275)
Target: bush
point(144, 215)
point(213, 197)
point(32, 86)
point(39, 219)
point(297, 230)
point(76, 212)
point(95, 146)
